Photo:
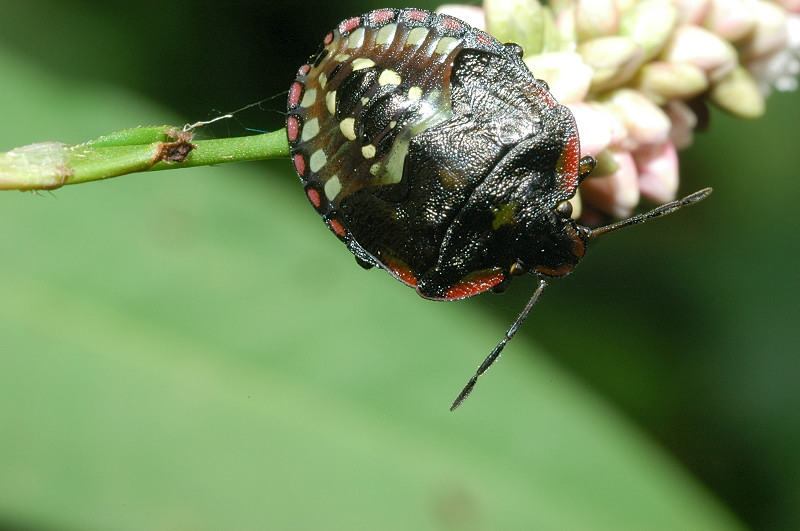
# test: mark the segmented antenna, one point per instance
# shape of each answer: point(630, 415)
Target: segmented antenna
point(491, 358)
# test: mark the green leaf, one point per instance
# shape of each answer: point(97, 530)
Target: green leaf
point(195, 350)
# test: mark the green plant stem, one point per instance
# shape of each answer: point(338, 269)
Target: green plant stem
point(50, 165)
point(236, 149)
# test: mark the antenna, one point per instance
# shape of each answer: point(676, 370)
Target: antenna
point(491, 358)
point(657, 212)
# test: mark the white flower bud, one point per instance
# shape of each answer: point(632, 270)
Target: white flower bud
point(661, 81)
point(596, 18)
point(565, 72)
point(738, 94)
point(614, 60)
point(649, 23)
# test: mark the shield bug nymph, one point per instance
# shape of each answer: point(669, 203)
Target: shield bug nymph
point(432, 152)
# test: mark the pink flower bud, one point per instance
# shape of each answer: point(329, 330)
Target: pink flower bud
point(692, 12)
point(616, 194)
point(593, 126)
point(658, 171)
point(730, 19)
point(684, 122)
point(645, 122)
point(703, 49)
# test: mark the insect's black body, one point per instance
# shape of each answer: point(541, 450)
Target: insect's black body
point(435, 154)
point(431, 151)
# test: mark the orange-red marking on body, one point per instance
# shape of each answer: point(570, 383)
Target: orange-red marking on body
point(569, 163)
point(337, 228)
point(484, 39)
point(416, 14)
point(292, 128)
point(405, 275)
point(451, 23)
point(382, 16)
point(299, 164)
point(294, 93)
point(349, 25)
point(313, 196)
point(475, 283)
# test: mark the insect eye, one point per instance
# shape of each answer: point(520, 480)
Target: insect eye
point(518, 269)
point(564, 209)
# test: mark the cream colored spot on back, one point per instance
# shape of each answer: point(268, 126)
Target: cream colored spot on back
point(415, 93)
point(341, 57)
point(446, 45)
point(317, 161)
point(330, 101)
point(360, 63)
point(356, 39)
point(323, 80)
point(385, 34)
point(416, 36)
point(368, 151)
point(391, 172)
point(389, 77)
point(332, 187)
point(348, 128)
point(310, 130)
point(309, 98)
point(375, 169)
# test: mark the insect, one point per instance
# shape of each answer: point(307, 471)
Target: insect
point(432, 152)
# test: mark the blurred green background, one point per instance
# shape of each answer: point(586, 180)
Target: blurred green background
point(194, 350)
